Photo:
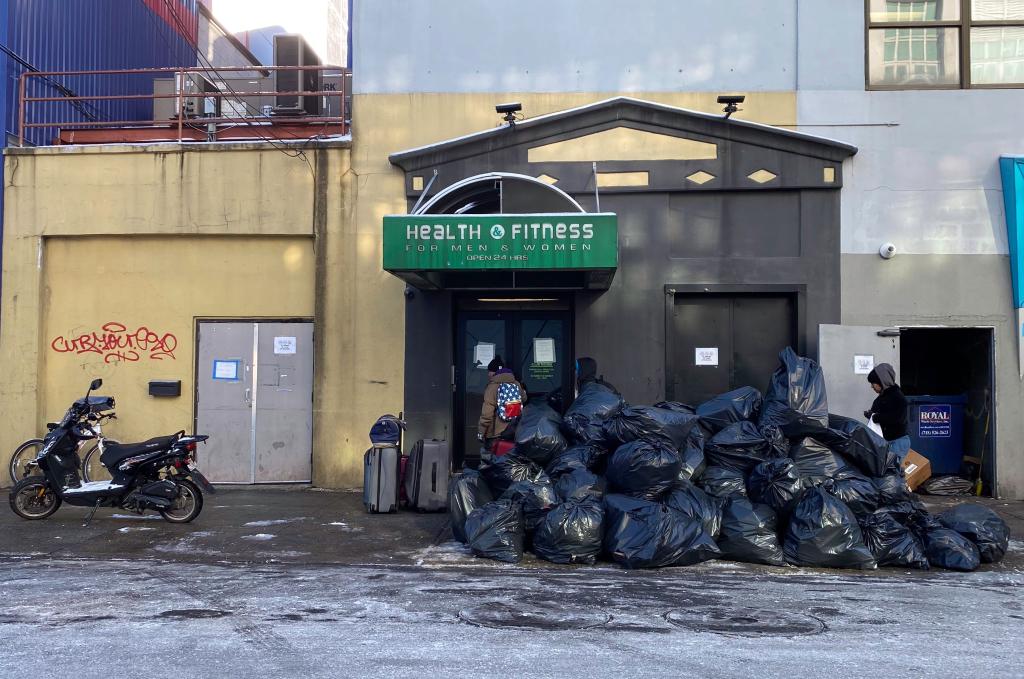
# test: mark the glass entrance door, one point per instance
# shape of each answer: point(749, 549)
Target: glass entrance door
point(536, 345)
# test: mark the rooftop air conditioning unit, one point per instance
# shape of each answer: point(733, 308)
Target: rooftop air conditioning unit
point(191, 87)
point(293, 50)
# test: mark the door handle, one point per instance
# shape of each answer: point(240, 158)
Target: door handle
point(248, 397)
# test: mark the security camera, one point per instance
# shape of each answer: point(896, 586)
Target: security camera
point(409, 292)
point(731, 102)
point(511, 107)
point(887, 251)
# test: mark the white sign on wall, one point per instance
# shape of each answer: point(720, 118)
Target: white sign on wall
point(284, 345)
point(706, 356)
point(863, 364)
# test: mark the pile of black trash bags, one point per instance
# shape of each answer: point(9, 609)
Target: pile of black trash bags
point(771, 479)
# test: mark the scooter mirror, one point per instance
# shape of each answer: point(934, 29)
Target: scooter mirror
point(95, 384)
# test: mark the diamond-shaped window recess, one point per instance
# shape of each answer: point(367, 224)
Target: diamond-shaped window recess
point(547, 179)
point(701, 177)
point(762, 176)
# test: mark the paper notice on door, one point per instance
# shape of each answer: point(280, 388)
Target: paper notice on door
point(225, 370)
point(284, 345)
point(483, 353)
point(863, 365)
point(706, 356)
point(543, 350)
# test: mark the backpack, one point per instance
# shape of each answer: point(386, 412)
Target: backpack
point(386, 431)
point(510, 402)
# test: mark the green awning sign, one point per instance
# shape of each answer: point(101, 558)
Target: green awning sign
point(571, 241)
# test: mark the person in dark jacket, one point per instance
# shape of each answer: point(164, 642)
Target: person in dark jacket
point(889, 409)
point(586, 371)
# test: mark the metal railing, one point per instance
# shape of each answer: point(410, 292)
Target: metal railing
point(256, 122)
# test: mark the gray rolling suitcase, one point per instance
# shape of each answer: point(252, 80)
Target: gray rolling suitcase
point(426, 476)
point(380, 479)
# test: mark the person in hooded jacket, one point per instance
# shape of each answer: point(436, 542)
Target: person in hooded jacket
point(491, 424)
point(889, 409)
point(586, 371)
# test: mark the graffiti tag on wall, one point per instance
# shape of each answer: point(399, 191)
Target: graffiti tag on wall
point(115, 343)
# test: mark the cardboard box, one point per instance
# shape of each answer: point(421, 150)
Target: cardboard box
point(917, 469)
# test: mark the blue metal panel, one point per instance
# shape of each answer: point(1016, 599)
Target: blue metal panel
point(1012, 170)
point(94, 35)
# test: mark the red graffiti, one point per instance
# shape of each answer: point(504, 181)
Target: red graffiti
point(115, 343)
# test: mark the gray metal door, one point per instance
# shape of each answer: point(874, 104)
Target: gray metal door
point(284, 402)
point(847, 353)
point(720, 342)
point(255, 401)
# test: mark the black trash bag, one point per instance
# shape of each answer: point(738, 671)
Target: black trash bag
point(797, 387)
point(502, 472)
point(944, 547)
point(739, 446)
point(865, 449)
point(823, 531)
point(497, 531)
point(692, 453)
point(723, 482)
point(580, 484)
point(892, 489)
point(750, 533)
point(816, 463)
point(642, 534)
point(536, 498)
point(980, 525)
point(572, 532)
point(676, 406)
point(643, 469)
point(697, 504)
point(647, 423)
point(538, 434)
point(903, 511)
point(585, 456)
point(892, 543)
point(739, 405)
point(585, 417)
point(776, 483)
point(466, 492)
point(857, 492)
point(949, 486)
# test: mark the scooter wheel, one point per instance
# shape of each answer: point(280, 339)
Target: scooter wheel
point(187, 505)
point(32, 498)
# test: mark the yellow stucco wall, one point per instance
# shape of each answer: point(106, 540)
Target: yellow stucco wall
point(162, 287)
point(158, 236)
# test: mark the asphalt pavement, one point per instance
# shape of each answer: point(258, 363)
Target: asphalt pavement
point(277, 582)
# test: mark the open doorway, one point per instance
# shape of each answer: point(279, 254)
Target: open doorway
point(948, 376)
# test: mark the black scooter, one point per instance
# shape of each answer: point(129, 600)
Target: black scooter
point(159, 474)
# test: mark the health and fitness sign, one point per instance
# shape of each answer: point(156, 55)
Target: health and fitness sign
point(575, 241)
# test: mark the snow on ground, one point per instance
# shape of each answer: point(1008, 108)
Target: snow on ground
point(259, 536)
point(132, 529)
point(319, 621)
point(345, 528)
point(276, 522)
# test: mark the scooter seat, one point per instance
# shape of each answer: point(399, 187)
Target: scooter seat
point(114, 453)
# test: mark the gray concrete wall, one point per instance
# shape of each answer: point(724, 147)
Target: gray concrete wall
point(964, 290)
point(574, 46)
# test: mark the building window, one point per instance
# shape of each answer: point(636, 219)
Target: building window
point(944, 44)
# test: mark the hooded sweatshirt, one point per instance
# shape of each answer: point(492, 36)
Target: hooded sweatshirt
point(586, 371)
point(890, 408)
point(490, 425)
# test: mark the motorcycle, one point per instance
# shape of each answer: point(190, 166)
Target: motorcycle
point(159, 474)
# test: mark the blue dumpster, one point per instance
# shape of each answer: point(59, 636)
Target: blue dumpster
point(936, 428)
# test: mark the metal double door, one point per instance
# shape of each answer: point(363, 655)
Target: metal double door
point(254, 398)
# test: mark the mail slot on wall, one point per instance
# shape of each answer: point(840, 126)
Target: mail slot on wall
point(165, 388)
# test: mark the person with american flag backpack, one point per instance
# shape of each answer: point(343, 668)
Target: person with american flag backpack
point(503, 403)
